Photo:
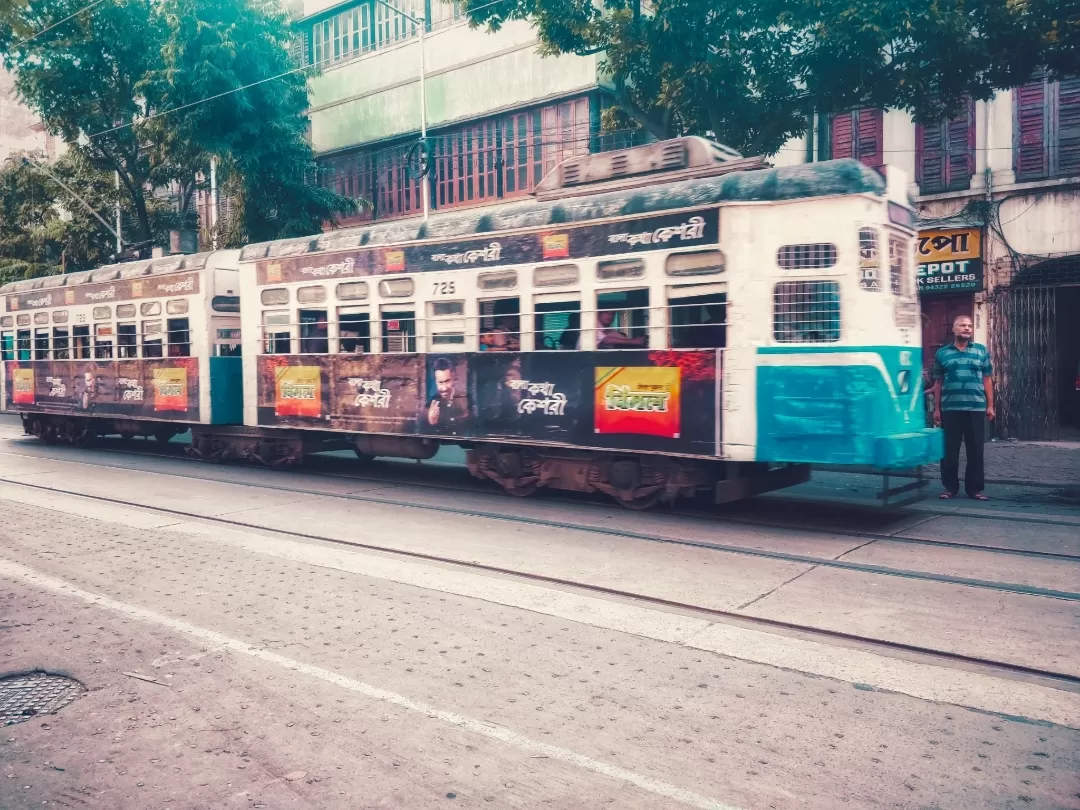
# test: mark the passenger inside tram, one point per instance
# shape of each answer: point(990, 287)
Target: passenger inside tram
point(503, 335)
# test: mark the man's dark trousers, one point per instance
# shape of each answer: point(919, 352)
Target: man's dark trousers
point(969, 428)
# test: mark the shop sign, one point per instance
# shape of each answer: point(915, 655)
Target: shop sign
point(950, 261)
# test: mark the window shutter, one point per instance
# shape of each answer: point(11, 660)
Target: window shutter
point(871, 130)
point(843, 144)
point(1030, 154)
point(929, 158)
point(1067, 161)
point(960, 132)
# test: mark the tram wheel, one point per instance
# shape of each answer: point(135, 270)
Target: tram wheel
point(641, 502)
point(521, 490)
point(163, 436)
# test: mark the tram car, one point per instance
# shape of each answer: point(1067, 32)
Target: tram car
point(650, 324)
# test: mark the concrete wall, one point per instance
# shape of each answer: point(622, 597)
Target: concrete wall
point(470, 74)
point(17, 123)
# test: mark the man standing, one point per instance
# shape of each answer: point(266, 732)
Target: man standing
point(963, 401)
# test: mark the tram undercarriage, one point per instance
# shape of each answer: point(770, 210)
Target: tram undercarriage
point(636, 481)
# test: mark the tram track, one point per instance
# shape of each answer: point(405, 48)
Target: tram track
point(855, 534)
point(1066, 680)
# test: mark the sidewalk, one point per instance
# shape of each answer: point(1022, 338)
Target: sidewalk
point(1027, 463)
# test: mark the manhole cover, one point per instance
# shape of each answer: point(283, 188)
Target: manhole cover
point(24, 697)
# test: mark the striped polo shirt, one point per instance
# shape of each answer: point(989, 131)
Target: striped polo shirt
point(961, 372)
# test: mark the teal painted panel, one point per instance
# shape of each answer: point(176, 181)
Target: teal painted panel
point(226, 391)
point(845, 405)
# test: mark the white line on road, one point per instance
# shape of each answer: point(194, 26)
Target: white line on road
point(16, 571)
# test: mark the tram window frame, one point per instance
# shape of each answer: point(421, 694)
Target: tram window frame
point(611, 271)
point(569, 332)
point(7, 322)
point(549, 275)
point(497, 280)
point(696, 263)
point(103, 349)
point(870, 259)
point(494, 337)
point(177, 306)
point(446, 325)
point(792, 333)
point(178, 336)
point(41, 342)
point(41, 319)
point(7, 345)
point(80, 342)
point(61, 344)
point(60, 316)
point(396, 288)
point(24, 344)
point(150, 309)
point(152, 347)
point(693, 332)
point(274, 297)
point(101, 314)
point(357, 322)
point(311, 294)
point(388, 316)
point(631, 335)
point(127, 341)
point(344, 290)
point(22, 320)
point(125, 311)
point(274, 342)
point(314, 331)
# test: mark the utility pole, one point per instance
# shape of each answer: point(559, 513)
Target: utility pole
point(119, 239)
point(213, 202)
point(422, 23)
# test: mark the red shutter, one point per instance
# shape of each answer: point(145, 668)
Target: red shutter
point(960, 132)
point(843, 142)
point(1030, 156)
point(1068, 127)
point(929, 159)
point(871, 131)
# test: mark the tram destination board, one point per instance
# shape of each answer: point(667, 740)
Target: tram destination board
point(663, 232)
point(651, 401)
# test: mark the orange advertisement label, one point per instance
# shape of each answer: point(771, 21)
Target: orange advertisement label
point(395, 260)
point(298, 391)
point(170, 389)
point(22, 386)
point(273, 273)
point(638, 400)
point(556, 245)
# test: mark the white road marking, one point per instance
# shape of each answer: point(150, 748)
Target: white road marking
point(942, 684)
point(504, 735)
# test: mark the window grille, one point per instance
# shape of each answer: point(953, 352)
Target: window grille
point(806, 312)
point(816, 256)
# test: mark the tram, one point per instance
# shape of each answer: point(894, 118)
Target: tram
point(650, 324)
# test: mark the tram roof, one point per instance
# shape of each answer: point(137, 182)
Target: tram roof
point(112, 272)
point(823, 179)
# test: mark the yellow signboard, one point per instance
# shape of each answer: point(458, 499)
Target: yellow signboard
point(950, 245)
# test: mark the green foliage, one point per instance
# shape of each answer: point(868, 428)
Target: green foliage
point(752, 73)
point(117, 71)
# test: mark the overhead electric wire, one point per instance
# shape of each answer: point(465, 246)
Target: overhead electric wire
point(58, 22)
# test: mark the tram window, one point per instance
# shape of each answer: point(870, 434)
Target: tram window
point(500, 325)
point(225, 303)
point(125, 310)
point(698, 321)
point(558, 325)
point(311, 295)
point(23, 344)
point(178, 306)
point(7, 321)
point(354, 331)
point(869, 260)
point(41, 343)
point(806, 312)
point(275, 297)
point(178, 333)
point(7, 345)
point(102, 313)
point(897, 261)
point(151, 331)
point(127, 340)
point(399, 330)
point(617, 270)
point(815, 256)
point(60, 316)
point(697, 263)
point(61, 344)
point(445, 324)
point(497, 280)
point(352, 291)
point(622, 320)
point(23, 320)
point(103, 341)
point(314, 334)
point(81, 345)
point(150, 308)
point(277, 341)
point(396, 288)
point(556, 275)
point(41, 318)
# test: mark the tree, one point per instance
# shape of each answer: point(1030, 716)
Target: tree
point(752, 73)
point(153, 90)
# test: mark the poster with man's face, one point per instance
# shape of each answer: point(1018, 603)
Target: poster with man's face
point(446, 410)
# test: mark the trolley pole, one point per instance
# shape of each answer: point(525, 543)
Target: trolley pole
point(422, 23)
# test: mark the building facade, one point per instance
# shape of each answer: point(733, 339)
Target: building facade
point(20, 129)
point(499, 115)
